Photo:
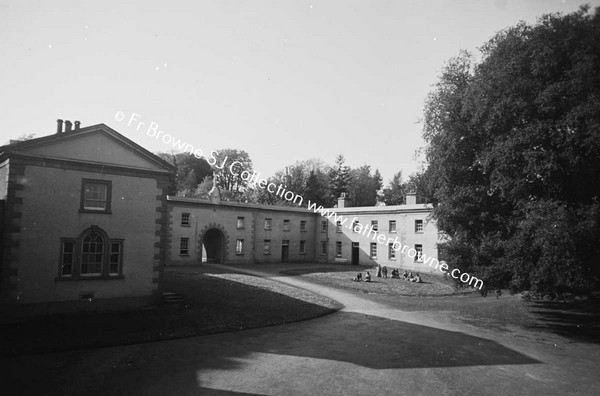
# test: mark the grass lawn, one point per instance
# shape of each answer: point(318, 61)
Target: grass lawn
point(341, 277)
point(215, 302)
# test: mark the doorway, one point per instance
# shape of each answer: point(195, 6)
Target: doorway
point(213, 246)
point(355, 252)
point(285, 250)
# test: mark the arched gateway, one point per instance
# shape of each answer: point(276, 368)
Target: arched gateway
point(213, 244)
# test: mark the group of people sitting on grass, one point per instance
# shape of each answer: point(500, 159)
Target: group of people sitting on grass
point(406, 275)
point(383, 272)
point(359, 278)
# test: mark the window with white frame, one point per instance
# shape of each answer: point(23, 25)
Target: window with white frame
point(95, 195)
point(302, 247)
point(355, 227)
point(267, 224)
point(185, 219)
point(67, 259)
point(392, 226)
point(116, 258)
point(184, 246)
point(391, 252)
point(418, 225)
point(267, 247)
point(92, 255)
point(323, 248)
point(239, 246)
point(324, 226)
point(419, 256)
point(338, 226)
point(338, 249)
point(286, 225)
point(303, 225)
point(373, 250)
point(240, 223)
point(374, 225)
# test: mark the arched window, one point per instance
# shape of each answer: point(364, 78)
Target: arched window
point(93, 254)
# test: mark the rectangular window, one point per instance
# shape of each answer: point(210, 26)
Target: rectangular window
point(323, 248)
point(418, 225)
point(338, 249)
point(338, 226)
point(419, 256)
point(302, 247)
point(391, 252)
point(67, 258)
point(267, 247)
point(303, 225)
point(267, 224)
point(324, 226)
point(286, 225)
point(184, 246)
point(239, 246)
point(355, 226)
point(240, 223)
point(392, 226)
point(373, 250)
point(95, 195)
point(116, 256)
point(374, 225)
point(185, 219)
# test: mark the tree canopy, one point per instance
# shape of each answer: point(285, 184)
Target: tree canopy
point(513, 156)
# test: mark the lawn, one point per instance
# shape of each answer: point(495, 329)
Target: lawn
point(215, 302)
point(341, 277)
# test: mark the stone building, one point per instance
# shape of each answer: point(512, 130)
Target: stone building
point(83, 218)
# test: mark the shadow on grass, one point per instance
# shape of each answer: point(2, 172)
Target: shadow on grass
point(343, 338)
point(212, 305)
point(576, 320)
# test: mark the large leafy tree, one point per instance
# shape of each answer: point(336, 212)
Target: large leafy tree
point(228, 169)
point(364, 186)
point(394, 193)
point(191, 171)
point(513, 148)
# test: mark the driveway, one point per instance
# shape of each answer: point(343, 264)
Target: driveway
point(367, 348)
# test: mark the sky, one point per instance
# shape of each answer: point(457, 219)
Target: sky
point(284, 80)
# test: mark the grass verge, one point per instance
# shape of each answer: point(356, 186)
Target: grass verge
point(214, 303)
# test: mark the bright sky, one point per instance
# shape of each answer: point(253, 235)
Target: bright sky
point(283, 80)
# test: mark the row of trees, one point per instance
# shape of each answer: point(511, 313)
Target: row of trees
point(313, 179)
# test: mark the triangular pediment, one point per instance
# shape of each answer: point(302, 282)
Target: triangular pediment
point(98, 144)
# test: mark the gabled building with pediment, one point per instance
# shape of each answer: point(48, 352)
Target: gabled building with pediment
point(84, 217)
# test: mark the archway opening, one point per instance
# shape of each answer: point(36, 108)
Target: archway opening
point(213, 246)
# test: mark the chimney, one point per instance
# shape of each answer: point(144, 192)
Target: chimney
point(59, 125)
point(77, 125)
point(68, 126)
point(342, 200)
point(411, 198)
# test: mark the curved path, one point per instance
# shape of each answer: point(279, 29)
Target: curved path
point(368, 348)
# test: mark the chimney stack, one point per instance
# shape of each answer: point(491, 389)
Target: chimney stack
point(68, 126)
point(344, 201)
point(59, 126)
point(411, 198)
point(77, 125)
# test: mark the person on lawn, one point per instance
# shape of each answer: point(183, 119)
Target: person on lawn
point(368, 277)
